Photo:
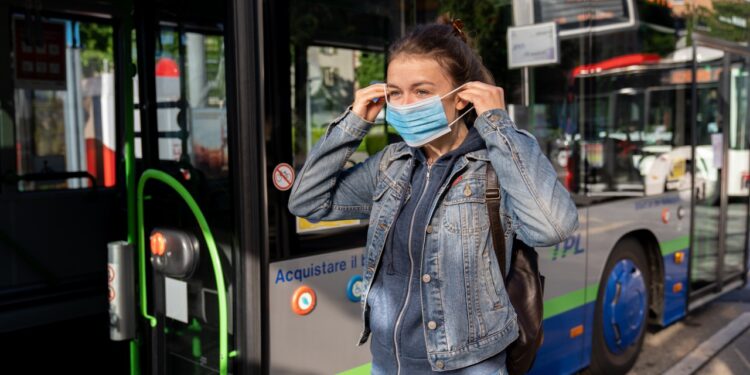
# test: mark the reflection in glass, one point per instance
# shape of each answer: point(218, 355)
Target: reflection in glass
point(64, 104)
point(738, 176)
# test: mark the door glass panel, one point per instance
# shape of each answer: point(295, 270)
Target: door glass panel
point(738, 176)
point(333, 75)
point(192, 142)
point(191, 98)
point(64, 104)
point(708, 155)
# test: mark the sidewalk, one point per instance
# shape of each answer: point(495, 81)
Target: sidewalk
point(727, 349)
point(735, 357)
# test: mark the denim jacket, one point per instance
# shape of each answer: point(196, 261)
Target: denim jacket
point(464, 293)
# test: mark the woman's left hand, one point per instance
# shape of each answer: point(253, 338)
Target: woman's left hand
point(483, 96)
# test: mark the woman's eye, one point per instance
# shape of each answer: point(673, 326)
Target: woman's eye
point(393, 94)
point(422, 92)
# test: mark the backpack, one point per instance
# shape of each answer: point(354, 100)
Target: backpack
point(524, 284)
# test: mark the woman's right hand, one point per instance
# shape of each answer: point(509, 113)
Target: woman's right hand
point(364, 106)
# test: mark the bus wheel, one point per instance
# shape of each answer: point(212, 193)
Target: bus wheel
point(621, 309)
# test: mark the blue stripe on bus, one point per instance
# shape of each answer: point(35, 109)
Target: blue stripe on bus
point(675, 302)
point(561, 354)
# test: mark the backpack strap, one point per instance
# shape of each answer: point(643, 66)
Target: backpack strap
point(492, 197)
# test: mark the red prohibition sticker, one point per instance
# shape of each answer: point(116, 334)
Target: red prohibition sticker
point(283, 176)
point(303, 300)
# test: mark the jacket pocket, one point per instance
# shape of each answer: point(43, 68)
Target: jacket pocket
point(492, 278)
point(465, 209)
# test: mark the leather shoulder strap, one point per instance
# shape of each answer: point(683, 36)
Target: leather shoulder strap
point(492, 196)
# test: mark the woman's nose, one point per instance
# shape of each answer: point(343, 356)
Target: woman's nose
point(408, 99)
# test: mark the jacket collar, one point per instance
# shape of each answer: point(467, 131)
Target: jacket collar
point(401, 149)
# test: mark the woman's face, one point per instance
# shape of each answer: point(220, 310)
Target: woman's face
point(413, 78)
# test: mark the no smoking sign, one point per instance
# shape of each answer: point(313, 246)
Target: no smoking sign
point(283, 176)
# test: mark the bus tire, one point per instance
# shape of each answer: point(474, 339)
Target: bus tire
point(621, 311)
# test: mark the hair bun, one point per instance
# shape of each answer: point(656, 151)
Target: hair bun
point(456, 24)
point(458, 27)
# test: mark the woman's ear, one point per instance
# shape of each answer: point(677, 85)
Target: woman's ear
point(461, 103)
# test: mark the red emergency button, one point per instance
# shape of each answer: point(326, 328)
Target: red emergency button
point(158, 243)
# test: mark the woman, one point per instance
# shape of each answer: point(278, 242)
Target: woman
point(434, 298)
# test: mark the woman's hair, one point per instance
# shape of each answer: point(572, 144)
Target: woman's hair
point(447, 43)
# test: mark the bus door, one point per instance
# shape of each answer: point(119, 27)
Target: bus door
point(323, 52)
point(187, 257)
point(722, 177)
point(59, 185)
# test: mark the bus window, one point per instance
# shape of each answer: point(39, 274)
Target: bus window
point(738, 169)
point(334, 49)
point(639, 122)
point(64, 104)
point(191, 117)
point(333, 75)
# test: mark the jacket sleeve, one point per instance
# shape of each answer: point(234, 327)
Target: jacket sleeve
point(542, 207)
point(323, 189)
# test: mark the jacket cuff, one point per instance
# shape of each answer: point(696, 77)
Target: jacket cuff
point(351, 123)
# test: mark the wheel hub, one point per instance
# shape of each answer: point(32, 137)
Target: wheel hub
point(624, 307)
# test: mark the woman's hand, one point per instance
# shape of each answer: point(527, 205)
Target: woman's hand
point(483, 96)
point(364, 106)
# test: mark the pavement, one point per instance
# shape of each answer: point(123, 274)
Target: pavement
point(734, 358)
point(713, 339)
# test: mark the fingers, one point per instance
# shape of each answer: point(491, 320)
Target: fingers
point(483, 96)
point(367, 101)
point(471, 94)
point(371, 92)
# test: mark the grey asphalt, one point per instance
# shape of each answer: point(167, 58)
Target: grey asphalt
point(664, 348)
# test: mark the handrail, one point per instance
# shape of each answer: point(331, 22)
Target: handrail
point(214, 254)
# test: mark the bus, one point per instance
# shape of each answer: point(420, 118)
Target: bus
point(147, 150)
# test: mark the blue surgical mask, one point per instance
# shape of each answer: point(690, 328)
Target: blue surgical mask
point(421, 122)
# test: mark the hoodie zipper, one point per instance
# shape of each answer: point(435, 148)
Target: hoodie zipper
point(411, 271)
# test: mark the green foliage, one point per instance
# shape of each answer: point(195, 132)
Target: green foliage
point(371, 68)
point(486, 23)
point(659, 43)
point(96, 47)
point(717, 22)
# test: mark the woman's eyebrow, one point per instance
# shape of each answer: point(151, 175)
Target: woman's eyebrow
point(415, 84)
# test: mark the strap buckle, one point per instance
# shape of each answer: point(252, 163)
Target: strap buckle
point(492, 193)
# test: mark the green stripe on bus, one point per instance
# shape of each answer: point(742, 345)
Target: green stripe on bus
point(570, 301)
point(679, 243)
point(361, 370)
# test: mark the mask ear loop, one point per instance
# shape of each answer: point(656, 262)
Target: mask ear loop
point(385, 94)
point(467, 110)
point(462, 115)
point(452, 91)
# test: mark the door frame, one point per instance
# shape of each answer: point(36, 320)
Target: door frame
point(722, 284)
point(246, 119)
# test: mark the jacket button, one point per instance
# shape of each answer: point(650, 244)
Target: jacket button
point(429, 229)
point(426, 278)
point(431, 324)
point(439, 364)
